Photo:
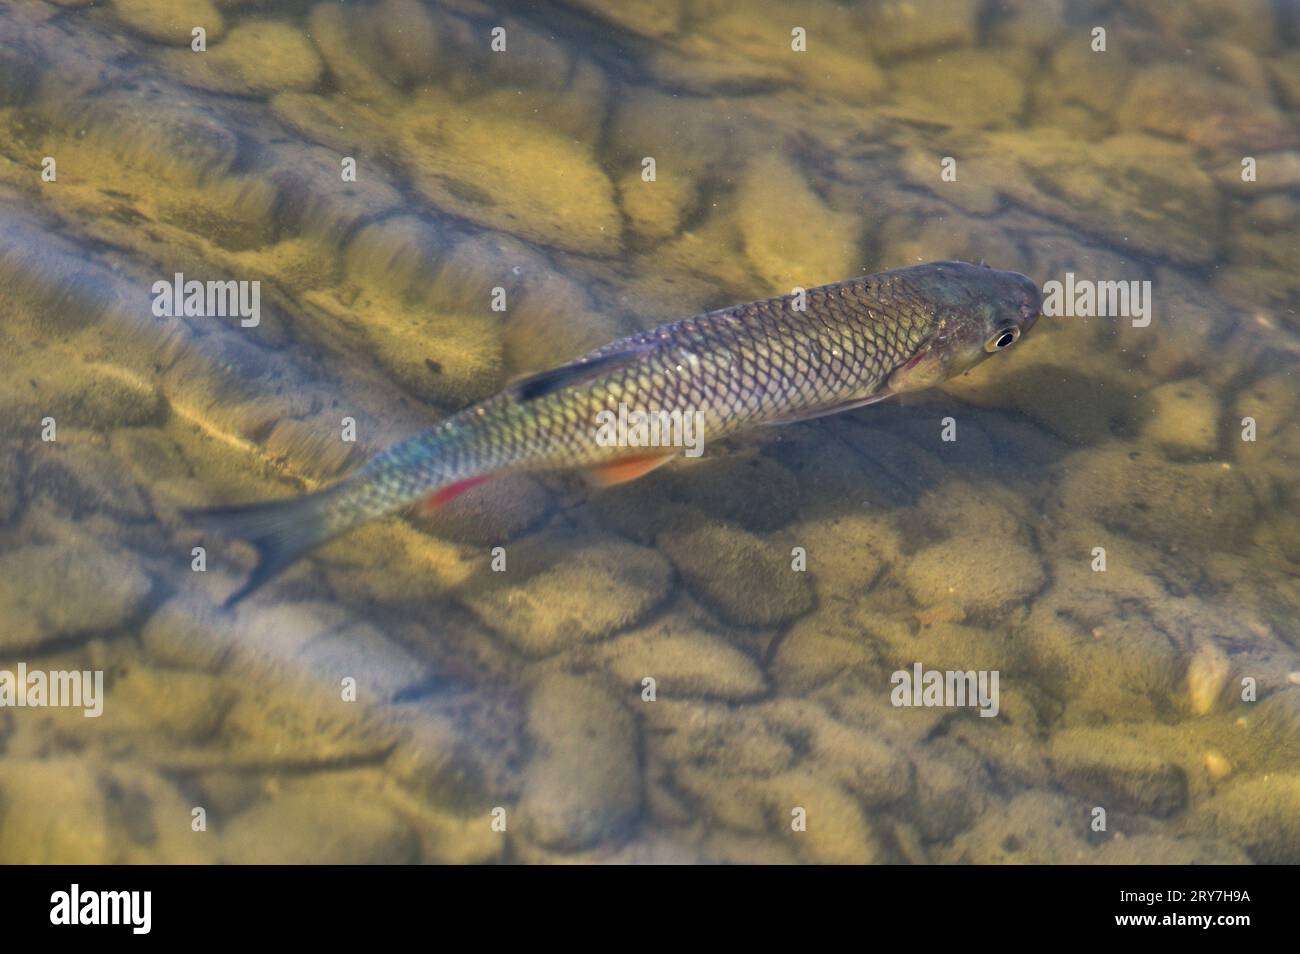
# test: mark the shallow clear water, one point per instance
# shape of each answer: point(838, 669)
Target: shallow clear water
point(1113, 529)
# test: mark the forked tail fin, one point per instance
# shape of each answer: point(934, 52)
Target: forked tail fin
point(280, 530)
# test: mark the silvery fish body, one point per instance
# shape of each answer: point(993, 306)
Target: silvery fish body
point(781, 359)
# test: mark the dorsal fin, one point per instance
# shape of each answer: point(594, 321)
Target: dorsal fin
point(584, 369)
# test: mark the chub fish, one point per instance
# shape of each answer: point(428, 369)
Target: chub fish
point(775, 361)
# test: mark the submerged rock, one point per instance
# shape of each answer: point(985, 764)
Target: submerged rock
point(1183, 419)
point(772, 194)
point(1133, 492)
point(747, 579)
point(1117, 772)
point(170, 21)
point(1132, 189)
point(1182, 102)
point(964, 88)
point(905, 27)
point(510, 173)
point(582, 784)
point(1261, 814)
point(256, 57)
point(66, 590)
point(319, 825)
point(684, 661)
point(558, 591)
point(55, 813)
point(973, 573)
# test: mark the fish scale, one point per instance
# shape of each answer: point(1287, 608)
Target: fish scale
point(736, 366)
point(761, 362)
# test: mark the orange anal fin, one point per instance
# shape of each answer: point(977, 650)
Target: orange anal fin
point(626, 468)
point(452, 491)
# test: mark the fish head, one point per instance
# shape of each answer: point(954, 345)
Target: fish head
point(978, 312)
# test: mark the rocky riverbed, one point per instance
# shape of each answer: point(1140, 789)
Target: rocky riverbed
point(398, 699)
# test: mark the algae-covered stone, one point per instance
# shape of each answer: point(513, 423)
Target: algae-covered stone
point(1207, 677)
point(837, 831)
point(747, 579)
point(976, 574)
point(971, 88)
point(1133, 189)
point(952, 786)
point(510, 173)
point(188, 633)
point(1182, 102)
point(823, 248)
point(1133, 492)
point(653, 18)
point(582, 784)
point(1117, 771)
point(59, 591)
point(84, 479)
point(380, 666)
point(490, 514)
point(748, 488)
point(846, 554)
point(55, 813)
point(822, 645)
point(1033, 827)
point(560, 591)
point(165, 707)
point(1262, 815)
point(170, 21)
point(308, 827)
point(655, 209)
point(300, 727)
point(77, 394)
point(683, 662)
point(730, 741)
point(257, 56)
point(904, 27)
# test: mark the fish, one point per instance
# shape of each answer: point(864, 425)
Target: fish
point(780, 360)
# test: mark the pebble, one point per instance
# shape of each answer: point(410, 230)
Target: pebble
point(559, 591)
point(71, 589)
point(1117, 772)
point(55, 813)
point(508, 173)
point(907, 27)
point(1182, 418)
point(1207, 677)
point(772, 193)
point(319, 825)
point(257, 57)
point(1262, 814)
point(964, 88)
point(170, 21)
point(974, 573)
point(1207, 505)
point(684, 662)
point(582, 784)
point(747, 579)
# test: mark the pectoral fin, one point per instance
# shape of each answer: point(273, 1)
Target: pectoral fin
point(627, 468)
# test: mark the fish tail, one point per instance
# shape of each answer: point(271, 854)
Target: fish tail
point(280, 531)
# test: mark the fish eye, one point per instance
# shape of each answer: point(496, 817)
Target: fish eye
point(1005, 338)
